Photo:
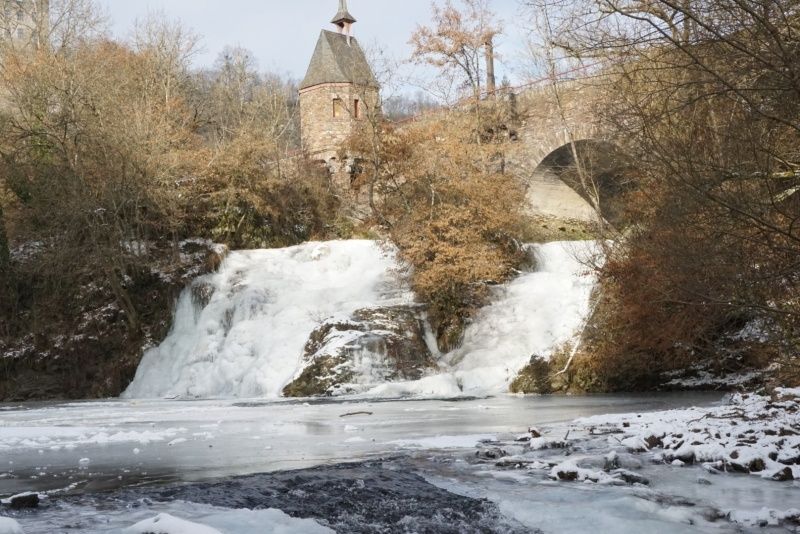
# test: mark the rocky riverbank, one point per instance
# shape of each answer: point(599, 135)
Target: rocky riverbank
point(92, 352)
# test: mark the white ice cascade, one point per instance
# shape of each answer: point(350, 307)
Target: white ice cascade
point(533, 315)
point(240, 332)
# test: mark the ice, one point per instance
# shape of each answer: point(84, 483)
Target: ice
point(244, 335)
point(444, 442)
point(264, 522)
point(450, 432)
point(9, 526)
point(57, 438)
point(441, 385)
point(248, 340)
point(222, 521)
point(167, 524)
point(534, 315)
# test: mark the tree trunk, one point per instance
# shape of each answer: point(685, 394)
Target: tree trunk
point(491, 81)
point(5, 254)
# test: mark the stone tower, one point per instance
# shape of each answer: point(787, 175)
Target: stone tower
point(24, 23)
point(338, 91)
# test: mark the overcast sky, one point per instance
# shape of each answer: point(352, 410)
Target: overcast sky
point(282, 33)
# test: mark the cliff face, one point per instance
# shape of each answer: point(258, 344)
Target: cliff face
point(84, 348)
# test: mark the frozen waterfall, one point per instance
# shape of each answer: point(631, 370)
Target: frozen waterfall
point(240, 332)
point(534, 314)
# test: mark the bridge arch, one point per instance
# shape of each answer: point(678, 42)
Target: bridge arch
point(580, 180)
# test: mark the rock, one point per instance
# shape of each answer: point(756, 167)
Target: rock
point(713, 468)
point(534, 378)
point(684, 454)
point(630, 477)
point(97, 357)
point(391, 339)
point(654, 441)
point(202, 292)
point(784, 475)
point(494, 453)
point(449, 332)
point(611, 461)
point(567, 475)
point(703, 481)
point(756, 465)
point(24, 502)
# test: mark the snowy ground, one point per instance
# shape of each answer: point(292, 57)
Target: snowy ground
point(731, 468)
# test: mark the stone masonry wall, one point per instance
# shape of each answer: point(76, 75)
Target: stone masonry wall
point(322, 133)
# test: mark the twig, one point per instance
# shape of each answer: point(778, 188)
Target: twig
point(355, 413)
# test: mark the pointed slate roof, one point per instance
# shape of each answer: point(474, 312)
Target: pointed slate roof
point(338, 58)
point(343, 16)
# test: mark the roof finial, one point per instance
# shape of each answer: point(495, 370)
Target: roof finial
point(343, 18)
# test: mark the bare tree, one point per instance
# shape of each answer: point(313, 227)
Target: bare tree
point(5, 255)
point(457, 39)
point(704, 96)
point(50, 24)
point(170, 48)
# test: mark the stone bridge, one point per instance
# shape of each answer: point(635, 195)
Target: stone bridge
point(557, 123)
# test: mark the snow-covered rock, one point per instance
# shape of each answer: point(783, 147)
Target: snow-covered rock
point(765, 517)
point(752, 434)
point(371, 347)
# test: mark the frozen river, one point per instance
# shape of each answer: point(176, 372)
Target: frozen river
point(93, 460)
point(97, 445)
point(246, 467)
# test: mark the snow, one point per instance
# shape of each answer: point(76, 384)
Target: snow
point(247, 341)
point(753, 434)
point(229, 522)
point(764, 517)
point(705, 379)
point(9, 526)
point(788, 392)
point(444, 442)
point(167, 524)
point(57, 438)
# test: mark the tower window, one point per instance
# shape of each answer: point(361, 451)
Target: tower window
point(357, 108)
point(338, 108)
